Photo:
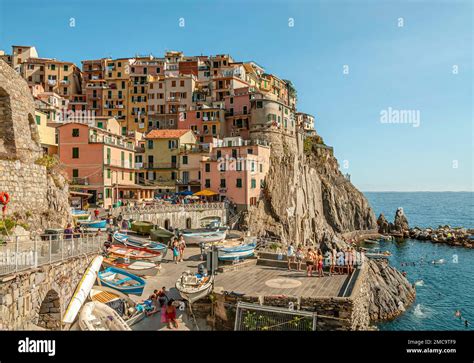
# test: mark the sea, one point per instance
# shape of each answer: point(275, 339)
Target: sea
point(442, 287)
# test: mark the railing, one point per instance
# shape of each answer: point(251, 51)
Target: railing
point(159, 165)
point(120, 163)
point(18, 255)
point(161, 208)
point(80, 181)
point(110, 141)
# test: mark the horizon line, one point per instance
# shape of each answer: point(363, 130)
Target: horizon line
point(417, 191)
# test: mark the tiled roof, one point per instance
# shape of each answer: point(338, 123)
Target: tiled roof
point(166, 134)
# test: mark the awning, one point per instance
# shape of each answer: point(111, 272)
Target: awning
point(82, 194)
point(206, 193)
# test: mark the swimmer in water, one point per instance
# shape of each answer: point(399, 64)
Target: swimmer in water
point(466, 323)
point(457, 314)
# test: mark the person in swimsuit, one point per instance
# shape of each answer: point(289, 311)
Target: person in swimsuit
point(319, 259)
point(175, 247)
point(181, 247)
point(309, 262)
point(332, 262)
point(340, 262)
point(290, 255)
point(299, 257)
point(171, 315)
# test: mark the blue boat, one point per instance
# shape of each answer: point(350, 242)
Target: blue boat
point(122, 281)
point(94, 224)
point(241, 248)
point(127, 240)
point(236, 253)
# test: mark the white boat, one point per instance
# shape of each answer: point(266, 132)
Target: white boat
point(237, 252)
point(136, 267)
point(193, 287)
point(198, 236)
point(82, 290)
point(98, 316)
point(118, 301)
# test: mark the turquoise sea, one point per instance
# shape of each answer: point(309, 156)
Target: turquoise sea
point(441, 288)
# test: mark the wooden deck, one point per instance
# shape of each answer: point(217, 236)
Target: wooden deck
point(266, 280)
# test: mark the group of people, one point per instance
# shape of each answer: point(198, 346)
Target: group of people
point(178, 245)
point(339, 261)
point(160, 302)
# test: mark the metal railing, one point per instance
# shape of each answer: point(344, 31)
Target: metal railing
point(160, 208)
point(18, 254)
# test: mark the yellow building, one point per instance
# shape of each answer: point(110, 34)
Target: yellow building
point(47, 134)
point(161, 156)
point(189, 170)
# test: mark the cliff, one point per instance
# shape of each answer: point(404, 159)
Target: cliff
point(306, 197)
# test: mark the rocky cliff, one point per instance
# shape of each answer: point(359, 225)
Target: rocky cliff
point(306, 197)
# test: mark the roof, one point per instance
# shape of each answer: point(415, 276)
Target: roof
point(166, 134)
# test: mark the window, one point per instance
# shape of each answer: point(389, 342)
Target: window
point(234, 153)
point(259, 104)
point(185, 159)
point(222, 183)
point(130, 176)
point(181, 83)
point(75, 132)
point(124, 130)
point(207, 183)
point(53, 67)
point(75, 153)
point(109, 173)
point(231, 100)
point(119, 64)
point(75, 173)
point(218, 153)
point(238, 183)
point(238, 166)
point(198, 114)
point(261, 168)
point(208, 168)
point(150, 144)
point(249, 151)
point(173, 83)
point(107, 192)
point(100, 124)
point(253, 183)
point(172, 143)
point(38, 119)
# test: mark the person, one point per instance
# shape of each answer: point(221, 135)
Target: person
point(153, 298)
point(299, 257)
point(96, 213)
point(290, 255)
point(162, 297)
point(309, 262)
point(332, 262)
point(119, 218)
point(171, 315)
point(340, 262)
point(458, 314)
point(68, 231)
point(350, 260)
point(181, 247)
point(466, 323)
point(319, 259)
point(99, 233)
point(125, 225)
point(175, 247)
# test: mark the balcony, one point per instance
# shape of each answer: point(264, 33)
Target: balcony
point(101, 139)
point(160, 165)
point(173, 99)
point(52, 82)
point(80, 181)
point(125, 164)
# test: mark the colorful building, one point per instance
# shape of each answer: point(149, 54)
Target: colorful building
point(305, 122)
point(47, 134)
point(237, 170)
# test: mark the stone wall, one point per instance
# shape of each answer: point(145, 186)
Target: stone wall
point(39, 296)
point(37, 197)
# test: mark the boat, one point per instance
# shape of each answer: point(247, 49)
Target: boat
point(142, 227)
point(139, 268)
point(122, 280)
point(203, 235)
point(127, 240)
point(82, 290)
point(121, 303)
point(193, 287)
point(80, 215)
point(371, 241)
point(98, 224)
point(161, 234)
point(98, 316)
point(134, 253)
point(236, 253)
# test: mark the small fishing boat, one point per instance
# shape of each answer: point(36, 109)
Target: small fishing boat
point(371, 241)
point(203, 235)
point(142, 227)
point(102, 224)
point(126, 240)
point(82, 290)
point(134, 253)
point(193, 287)
point(236, 253)
point(121, 303)
point(139, 268)
point(98, 316)
point(160, 234)
point(80, 215)
point(122, 281)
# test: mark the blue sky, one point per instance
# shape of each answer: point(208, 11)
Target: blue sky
point(405, 68)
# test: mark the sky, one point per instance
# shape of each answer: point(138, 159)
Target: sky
point(359, 67)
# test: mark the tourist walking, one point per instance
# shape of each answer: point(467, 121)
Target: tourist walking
point(68, 231)
point(340, 262)
point(181, 247)
point(299, 258)
point(96, 214)
point(319, 259)
point(290, 255)
point(175, 248)
point(309, 262)
point(171, 315)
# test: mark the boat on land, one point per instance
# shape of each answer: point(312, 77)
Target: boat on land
point(193, 287)
point(139, 268)
point(134, 253)
point(121, 303)
point(80, 215)
point(82, 290)
point(237, 252)
point(126, 240)
point(99, 224)
point(196, 236)
point(160, 234)
point(122, 280)
point(142, 227)
point(98, 316)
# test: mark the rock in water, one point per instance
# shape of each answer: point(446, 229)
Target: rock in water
point(400, 223)
point(383, 224)
point(390, 292)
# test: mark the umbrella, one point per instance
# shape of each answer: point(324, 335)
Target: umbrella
point(186, 192)
point(206, 193)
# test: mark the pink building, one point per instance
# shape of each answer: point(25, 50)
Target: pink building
point(236, 170)
point(237, 107)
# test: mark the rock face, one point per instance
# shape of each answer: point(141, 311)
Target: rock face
point(383, 224)
point(390, 291)
point(401, 222)
point(306, 197)
point(38, 198)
